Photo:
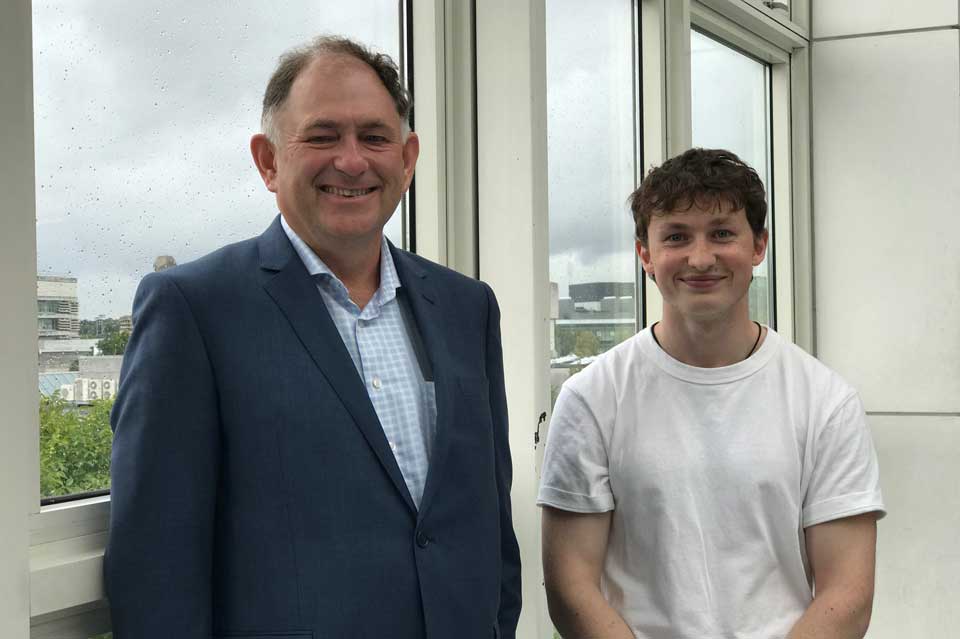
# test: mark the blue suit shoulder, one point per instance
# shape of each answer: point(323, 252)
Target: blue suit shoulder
point(443, 276)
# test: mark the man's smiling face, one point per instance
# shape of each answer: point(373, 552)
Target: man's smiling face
point(703, 259)
point(341, 161)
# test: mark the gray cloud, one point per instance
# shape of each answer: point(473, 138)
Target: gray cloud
point(591, 153)
point(143, 116)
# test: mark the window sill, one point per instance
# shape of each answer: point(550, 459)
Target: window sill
point(67, 542)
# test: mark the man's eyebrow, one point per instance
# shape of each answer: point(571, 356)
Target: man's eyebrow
point(720, 219)
point(716, 220)
point(365, 125)
point(321, 124)
point(374, 124)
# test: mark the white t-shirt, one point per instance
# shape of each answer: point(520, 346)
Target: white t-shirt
point(712, 474)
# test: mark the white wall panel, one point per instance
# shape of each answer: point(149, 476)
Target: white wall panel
point(886, 147)
point(918, 558)
point(19, 460)
point(848, 17)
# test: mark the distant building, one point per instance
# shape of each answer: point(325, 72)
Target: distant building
point(58, 311)
point(163, 262)
point(126, 323)
point(63, 355)
point(598, 314)
point(51, 383)
point(592, 291)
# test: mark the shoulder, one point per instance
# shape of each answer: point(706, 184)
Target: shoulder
point(446, 281)
point(411, 263)
point(606, 375)
point(227, 260)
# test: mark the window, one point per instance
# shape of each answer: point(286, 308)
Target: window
point(591, 167)
point(143, 116)
point(730, 108)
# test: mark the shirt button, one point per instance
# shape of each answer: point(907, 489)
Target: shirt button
point(376, 382)
point(422, 540)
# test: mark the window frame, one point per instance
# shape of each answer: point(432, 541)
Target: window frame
point(783, 105)
point(761, 34)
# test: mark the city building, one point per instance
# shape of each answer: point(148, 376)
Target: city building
point(597, 314)
point(58, 310)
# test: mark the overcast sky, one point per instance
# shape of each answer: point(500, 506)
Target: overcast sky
point(144, 111)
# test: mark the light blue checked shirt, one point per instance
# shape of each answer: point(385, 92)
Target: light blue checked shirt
point(380, 345)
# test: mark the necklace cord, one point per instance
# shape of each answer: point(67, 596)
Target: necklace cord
point(653, 334)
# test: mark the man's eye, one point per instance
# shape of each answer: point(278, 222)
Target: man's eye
point(674, 237)
point(724, 234)
point(376, 139)
point(321, 139)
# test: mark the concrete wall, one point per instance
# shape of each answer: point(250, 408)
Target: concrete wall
point(886, 152)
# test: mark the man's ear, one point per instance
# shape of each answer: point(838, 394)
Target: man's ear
point(644, 254)
point(411, 151)
point(265, 157)
point(760, 246)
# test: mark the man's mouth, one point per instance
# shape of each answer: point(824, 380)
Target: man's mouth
point(336, 190)
point(701, 281)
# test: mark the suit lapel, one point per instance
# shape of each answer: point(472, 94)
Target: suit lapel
point(428, 313)
point(295, 292)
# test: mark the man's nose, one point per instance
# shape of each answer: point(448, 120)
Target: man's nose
point(702, 256)
point(350, 159)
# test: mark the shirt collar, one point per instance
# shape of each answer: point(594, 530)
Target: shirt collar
point(389, 279)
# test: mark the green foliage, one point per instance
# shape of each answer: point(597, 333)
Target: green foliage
point(75, 446)
point(586, 344)
point(114, 344)
point(565, 341)
point(103, 327)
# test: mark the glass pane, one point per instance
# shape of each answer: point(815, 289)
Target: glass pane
point(591, 171)
point(143, 115)
point(731, 110)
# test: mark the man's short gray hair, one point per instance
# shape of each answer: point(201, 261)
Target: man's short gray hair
point(294, 61)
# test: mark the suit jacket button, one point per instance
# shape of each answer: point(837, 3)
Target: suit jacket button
point(422, 540)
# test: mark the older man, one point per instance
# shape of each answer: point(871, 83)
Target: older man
point(311, 431)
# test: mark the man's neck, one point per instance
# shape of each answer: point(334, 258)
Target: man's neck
point(707, 342)
point(356, 263)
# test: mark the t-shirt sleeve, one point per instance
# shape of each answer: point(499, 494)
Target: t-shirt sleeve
point(575, 473)
point(846, 476)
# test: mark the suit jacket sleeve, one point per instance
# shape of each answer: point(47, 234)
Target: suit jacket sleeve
point(164, 473)
point(510, 594)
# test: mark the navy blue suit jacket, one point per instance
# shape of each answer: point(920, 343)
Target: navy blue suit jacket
point(254, 492)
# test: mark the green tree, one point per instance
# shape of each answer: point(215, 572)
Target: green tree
point(566, 340)
point(88, 328)
point(586, 344)
point(114, 344)
point(75, 446)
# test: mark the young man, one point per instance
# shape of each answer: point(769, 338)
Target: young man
point(707, 479)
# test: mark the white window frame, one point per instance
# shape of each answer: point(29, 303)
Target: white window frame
point(769, 36)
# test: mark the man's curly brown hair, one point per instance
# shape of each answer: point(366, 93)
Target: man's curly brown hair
point(707, 178)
